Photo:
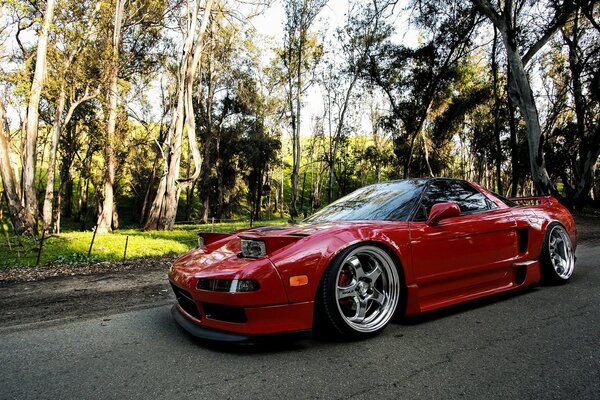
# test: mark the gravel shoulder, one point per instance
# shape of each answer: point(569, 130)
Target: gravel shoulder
point(55, 294)
point(58, 293)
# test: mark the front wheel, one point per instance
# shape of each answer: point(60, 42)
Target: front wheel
point(558, 259)
point(361, 291)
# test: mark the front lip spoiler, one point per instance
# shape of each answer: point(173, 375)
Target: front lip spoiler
point(230, 337)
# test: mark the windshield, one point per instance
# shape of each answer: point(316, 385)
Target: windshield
point(388, 201)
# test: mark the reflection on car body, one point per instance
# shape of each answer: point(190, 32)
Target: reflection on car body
point(390, 249)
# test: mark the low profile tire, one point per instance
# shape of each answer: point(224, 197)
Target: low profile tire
point(558, 259)
point(360, 291)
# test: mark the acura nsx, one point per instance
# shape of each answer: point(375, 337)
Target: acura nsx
point(387, 250)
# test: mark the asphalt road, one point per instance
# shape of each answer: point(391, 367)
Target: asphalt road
point(543, 343)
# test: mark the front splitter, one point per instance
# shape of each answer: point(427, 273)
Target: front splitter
point(231, 337)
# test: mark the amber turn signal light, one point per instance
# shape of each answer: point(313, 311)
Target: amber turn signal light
point(299, 280)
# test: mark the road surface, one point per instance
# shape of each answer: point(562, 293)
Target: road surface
point(543, 343)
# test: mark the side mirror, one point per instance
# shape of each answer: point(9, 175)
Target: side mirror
point(442, 211)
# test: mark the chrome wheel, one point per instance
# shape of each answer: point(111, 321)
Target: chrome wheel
point(560, 252)
point(367, 289)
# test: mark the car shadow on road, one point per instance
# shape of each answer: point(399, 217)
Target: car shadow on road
point(463, 307)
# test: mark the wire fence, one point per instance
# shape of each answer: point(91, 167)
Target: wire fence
point(33, 251)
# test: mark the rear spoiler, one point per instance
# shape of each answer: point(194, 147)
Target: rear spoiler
point(535, 200)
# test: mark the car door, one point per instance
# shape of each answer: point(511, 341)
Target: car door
point(464, 255)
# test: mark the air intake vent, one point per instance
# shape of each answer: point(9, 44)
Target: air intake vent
point(523, 240)
point(186, 301)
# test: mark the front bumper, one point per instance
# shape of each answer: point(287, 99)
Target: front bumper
point(262, 320)
point(236, 316)
point(199, 331)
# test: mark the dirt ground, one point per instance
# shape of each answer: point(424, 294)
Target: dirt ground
point(58, 293)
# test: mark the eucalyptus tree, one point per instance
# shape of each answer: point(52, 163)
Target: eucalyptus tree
point(31, 123)
point(164, 207)
point(299, 56)
point(73, 78)
point(237, 109)
point(105, 219)
point(22, 201)
point(572, 122)
point(525, 29)
point(10, 182)
point(415, 80)
point(215, 101)
point(129, 30)
point(341, 76)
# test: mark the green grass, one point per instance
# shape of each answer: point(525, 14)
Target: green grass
point(72, 247)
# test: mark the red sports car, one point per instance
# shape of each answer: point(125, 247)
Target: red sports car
point(390, 249)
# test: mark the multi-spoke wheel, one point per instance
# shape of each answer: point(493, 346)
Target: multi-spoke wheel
point(558, 260)
point(361, 291)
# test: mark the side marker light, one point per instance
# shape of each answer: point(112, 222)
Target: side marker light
point(299, 280)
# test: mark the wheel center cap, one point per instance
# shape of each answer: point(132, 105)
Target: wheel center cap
point(363, 288)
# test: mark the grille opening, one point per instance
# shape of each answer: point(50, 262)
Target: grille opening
point(523, 240)
point(520, 275)
point(186, 301)
point(224, 313)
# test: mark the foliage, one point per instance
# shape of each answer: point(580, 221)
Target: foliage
point(72, 247)
point(441, 103)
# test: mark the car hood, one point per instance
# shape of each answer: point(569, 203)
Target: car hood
point(223, 251)
point(305, 229)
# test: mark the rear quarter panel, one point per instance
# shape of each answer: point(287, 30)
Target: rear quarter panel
point(538, 217)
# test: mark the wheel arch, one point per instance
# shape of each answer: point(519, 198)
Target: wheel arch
point(384, 245)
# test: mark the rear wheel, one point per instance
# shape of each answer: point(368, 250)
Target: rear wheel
point(558, 260)
point(361, 291)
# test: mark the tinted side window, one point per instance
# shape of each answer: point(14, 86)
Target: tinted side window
point(468, 198)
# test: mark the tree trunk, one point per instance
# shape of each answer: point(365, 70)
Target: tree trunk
point(497, 131)
point(23, 221)
point(57, 209)
point(519, 84)
point(296, 122)
point(514, 141)
point(589, 148)
point(529, 113)
point(259, 195)
point(148, 190)
point(47, 208)
point(164, 208)
point(31, 123)
point(105, 220)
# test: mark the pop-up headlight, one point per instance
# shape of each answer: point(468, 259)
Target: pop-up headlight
point(228, 285)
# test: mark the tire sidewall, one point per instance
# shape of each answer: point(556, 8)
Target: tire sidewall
point(549, 274)
point(329, 311)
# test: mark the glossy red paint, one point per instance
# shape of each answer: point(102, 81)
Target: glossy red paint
point(442, 211)
point(460, 258)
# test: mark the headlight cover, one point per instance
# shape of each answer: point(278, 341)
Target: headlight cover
point(228, 285)
point(253, 248)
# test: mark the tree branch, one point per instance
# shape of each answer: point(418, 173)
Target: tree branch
point(559, 21)
point(486, 8)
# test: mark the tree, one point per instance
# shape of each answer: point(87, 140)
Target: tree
point(572, 123)
point(509, 20)
point(299, 56)
point(417, 80)
point(164, 207)
point(24, 211)
point(68, 76)
point(22, 202)
point(107, 214)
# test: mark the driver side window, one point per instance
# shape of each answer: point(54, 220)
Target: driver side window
point(469, 199)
